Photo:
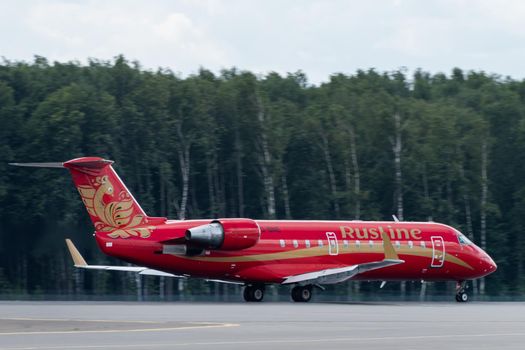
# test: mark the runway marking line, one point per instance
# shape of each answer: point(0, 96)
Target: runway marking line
point(192, 325)
point(70, 320)
point(247, 342)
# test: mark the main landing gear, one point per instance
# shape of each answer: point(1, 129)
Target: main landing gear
point(302, 294)
point(461, 294)
point(254, 292)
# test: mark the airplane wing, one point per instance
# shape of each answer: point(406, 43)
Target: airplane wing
point(225, 281)
point(342, 274)
point(79, 262)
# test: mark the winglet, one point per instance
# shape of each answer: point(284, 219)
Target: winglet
point(75, 254)
point(390, 253)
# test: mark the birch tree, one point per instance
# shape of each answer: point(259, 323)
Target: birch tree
point(265, 159)
point(397, 147)
point(483, 205)
point(183, 151)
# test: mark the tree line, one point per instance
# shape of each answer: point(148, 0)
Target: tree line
point(439, 147)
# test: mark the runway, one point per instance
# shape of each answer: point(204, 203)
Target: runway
point(110, 325)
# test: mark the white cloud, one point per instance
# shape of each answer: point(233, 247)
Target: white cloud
point(158, 36)
point(319, 37)
point(175, 27)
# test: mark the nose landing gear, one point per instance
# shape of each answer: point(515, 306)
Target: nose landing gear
point(461, 294)
point(254, 292)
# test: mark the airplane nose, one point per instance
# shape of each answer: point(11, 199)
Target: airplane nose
point(490, 265)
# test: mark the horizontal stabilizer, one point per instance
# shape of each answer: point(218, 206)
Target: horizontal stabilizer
point(88, 162)
point(85, 162)
point(40, 165)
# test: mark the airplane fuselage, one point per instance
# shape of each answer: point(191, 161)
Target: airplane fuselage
point(431, 251)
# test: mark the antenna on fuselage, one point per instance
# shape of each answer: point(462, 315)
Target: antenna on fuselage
point(395, 218)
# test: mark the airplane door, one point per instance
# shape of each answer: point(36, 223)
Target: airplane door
point(438, 251)
point(333, 247)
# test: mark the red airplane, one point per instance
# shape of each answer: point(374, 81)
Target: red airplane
point(260, 252)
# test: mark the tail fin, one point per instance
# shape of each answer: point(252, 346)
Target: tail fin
point(110, 205)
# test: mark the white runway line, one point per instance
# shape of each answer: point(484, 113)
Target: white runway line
point(195, 325)
point(70, 320)
point(265, 341)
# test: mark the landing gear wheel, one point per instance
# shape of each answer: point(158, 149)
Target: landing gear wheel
point(247, 292)
point(253, 293)
point(302, 294)
point(462, 297)
point(461, 294)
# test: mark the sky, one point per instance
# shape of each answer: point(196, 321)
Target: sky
point(319, 37)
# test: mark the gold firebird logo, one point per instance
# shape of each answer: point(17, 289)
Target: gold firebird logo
point(116, 215)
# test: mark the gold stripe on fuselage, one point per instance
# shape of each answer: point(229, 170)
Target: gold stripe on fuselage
point(323, 251)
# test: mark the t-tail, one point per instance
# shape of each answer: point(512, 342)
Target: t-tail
point(110, 205)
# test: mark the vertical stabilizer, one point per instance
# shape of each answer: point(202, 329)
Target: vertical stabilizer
point(109, 203)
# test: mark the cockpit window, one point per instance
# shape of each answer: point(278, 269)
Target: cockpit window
point(463, 239)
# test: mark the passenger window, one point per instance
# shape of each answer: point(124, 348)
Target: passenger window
point(371, 244)
point(398, 245)
point(345, 244)
point(320, 243)
point(423, 245)
point(281, 242)
point(357, 244)
point(410, 244)
point(295, 243)
point(307, 243)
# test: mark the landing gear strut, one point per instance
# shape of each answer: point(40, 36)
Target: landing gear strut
point(254, 292)
point(461, 294)
point(302, 294)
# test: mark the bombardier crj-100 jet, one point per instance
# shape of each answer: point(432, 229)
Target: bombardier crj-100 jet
point(256, 253)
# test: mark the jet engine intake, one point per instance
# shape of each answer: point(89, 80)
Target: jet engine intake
point(225, 234)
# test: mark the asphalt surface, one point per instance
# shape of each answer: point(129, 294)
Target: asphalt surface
point(110, 325)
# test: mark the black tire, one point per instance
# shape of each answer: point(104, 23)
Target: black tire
point(295, 293)
point(462, 297)
point(247, 293)
point(302, 294)
point(253, 293)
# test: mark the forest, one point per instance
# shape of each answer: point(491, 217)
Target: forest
point(445, 147)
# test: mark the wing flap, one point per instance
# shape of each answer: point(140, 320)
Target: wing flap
point(327, 276)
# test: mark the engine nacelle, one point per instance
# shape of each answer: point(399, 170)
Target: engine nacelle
point(225, 234)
